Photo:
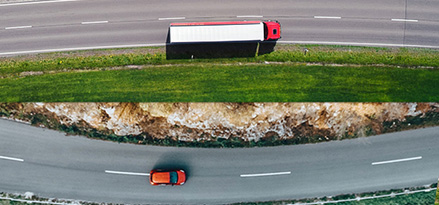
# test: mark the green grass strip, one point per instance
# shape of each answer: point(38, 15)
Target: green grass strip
point(14, 66)
point(247, 83)
point(437, 196)
point(105, 58)
point(406, 57)
point(199, 81)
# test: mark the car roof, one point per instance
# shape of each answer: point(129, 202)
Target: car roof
point(161, 177)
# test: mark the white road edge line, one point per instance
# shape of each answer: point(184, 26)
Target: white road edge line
point(359, 44)
point(264, 174)
point(38, 2)
point(93, 22)
point(397, 160)
point(327, 17)
point(17, 27)
point(250, 16)
point(79, 49)
point(33, 201)
point(12, 158)
point(171, 18)
point(405, 20)
point(163, 44)
point(126, 173)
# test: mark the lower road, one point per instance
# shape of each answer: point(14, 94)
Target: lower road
point(50, 164)
point(80, 24)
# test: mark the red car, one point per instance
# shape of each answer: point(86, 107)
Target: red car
point(167, 177)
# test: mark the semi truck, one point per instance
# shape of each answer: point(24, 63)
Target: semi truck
point(232, 31)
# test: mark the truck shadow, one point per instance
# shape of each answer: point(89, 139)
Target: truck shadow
point(218, 50)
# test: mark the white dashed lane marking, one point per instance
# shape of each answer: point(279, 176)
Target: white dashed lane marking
point(17, 27)
point(265, 174)
point(397, 160)
point(126, 173)
point(94, 22)
point(171, 18)
point(327, 17)
point(405, 20)
point(12, 159)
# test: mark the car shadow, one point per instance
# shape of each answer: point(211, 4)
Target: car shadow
point(173, 161)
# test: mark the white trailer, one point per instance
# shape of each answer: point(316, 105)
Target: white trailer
point(220, 31)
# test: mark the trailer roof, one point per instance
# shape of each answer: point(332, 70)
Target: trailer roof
point(216, 31)
point(215, 23)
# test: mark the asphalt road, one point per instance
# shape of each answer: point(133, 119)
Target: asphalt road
point(73, 167)
point(80, 24)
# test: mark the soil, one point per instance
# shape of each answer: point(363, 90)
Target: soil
point(247, 121)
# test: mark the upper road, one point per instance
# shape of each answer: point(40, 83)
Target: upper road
point(50, 164)
point(80, 24)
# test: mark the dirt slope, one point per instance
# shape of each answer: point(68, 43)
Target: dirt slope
point(249, 121)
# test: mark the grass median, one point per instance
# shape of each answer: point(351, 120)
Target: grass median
point(250, 83)
point(285, 75)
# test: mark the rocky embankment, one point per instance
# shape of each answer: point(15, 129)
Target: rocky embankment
point(247, 121)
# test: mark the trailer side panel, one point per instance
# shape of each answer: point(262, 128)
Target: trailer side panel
point(217, 33)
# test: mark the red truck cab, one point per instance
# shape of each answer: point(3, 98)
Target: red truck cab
point(272, 30)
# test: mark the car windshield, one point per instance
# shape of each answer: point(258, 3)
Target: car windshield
point(174, 177)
